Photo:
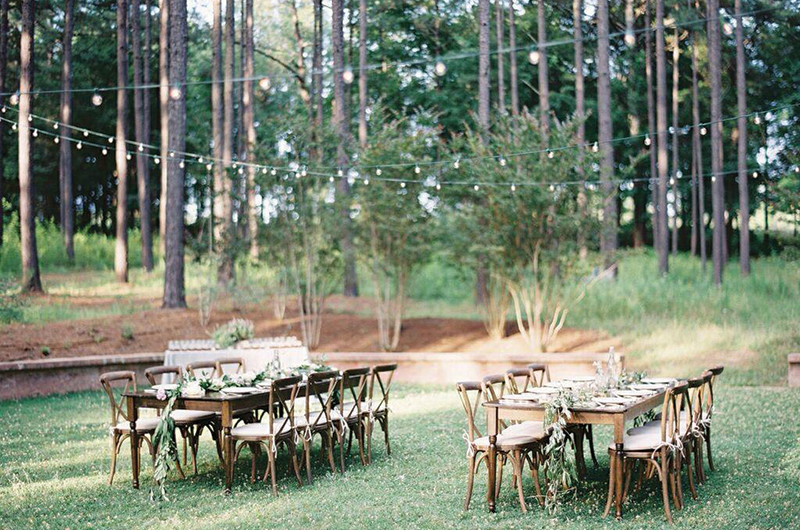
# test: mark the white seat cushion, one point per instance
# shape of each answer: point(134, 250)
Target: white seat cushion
point(260, 430)
point(142, 425)
point(506, 441)
point(317, 419)
point(647, 440)
point(528, 428)
point(189, 416)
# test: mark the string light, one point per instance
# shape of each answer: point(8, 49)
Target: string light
point(534, 56)
point(264, 83)
point(55, 126)
point(209, 167)
point(141, 148)
point(175, 92)
point(402, 184)
point(417, 170)
point(14, 99)
point(502, 161)
point(440, 69)
point(550, 153)
point(97, 99)
point(595, 147)
point(330, 179)
point(630, 38)
point(366, 181)
point(85, 134)
point(757, 119)
point(274, 172)
point(105, 152)
point(348, 75)
point(56, 139)
point(476, 187)
point(438, 186)
point(378, 172)
point(127, 156)
point(513, 188)
point(181, 165)
point(755, 174)
point(703, 131)
point(455, 164)
point(647, 141)
point(35, 133)
point(157, 160)
point(80, 145)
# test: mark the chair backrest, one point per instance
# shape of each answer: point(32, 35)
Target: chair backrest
point(670, 411)
point(203, 368)
point(539, 374)
point(715, 371)
point(381, 374)
point(282, 395)
point(518, 380)
point(707, 396)
point(154, 372)
point(353, 386)
point(494, 386)
point(110, 380)
point(692, 404)
point(471, 404)
point(320, 390)
point(238, 362)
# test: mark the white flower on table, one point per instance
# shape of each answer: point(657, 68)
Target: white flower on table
point(193, 389)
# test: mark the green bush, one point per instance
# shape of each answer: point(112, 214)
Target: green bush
point(10, 303)
point(232, 332)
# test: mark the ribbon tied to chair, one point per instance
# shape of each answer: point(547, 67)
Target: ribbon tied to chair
point(676, 445)
point(471, 449)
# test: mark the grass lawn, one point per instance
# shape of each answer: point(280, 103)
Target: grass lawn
point(54, 456)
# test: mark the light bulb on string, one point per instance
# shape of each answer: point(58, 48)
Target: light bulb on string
point(111, 139)
point(241, 171)
point(182, 165)
point(127, 156)
point(366, 181)
point(304, 172)
point(552, 188)
point(200, 160)
point(595, 147)
point(378, 172)
point(417, 170)
point(264, 83)
point(274, 172)
point(55, 126)
point(97, 99)
point(14, 126)
point(476, 187)
point(672, 181)
point(14, 99)
point(455, 164)
point(209, 167)
point(513, 187)
point(440, 69)
point(402, 184)
point(175, 92)
point(502, 161)
point(339, 173)
point(35, 133)
point(105, 152)
point(703, 131)
point(330, 179)
point(630, 38)
point(30, 118)
point(172, 154)
point(534, 56)
point(348, 76)
point(438, 186)
point(156, 160)
point(647, 141)
point(80, 145)
point(85, 134)
point(755, 174)
point(550, 153)
point(757, 119)
point(141, 148)
point(3, 110)
point(56, 139)
point(263, 170)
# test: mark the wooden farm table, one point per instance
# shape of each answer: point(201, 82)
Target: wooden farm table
point(616, 416)
point(228, 406)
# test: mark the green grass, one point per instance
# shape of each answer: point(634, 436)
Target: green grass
point(54, 455)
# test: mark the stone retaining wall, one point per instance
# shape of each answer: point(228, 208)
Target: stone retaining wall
point(794, 369)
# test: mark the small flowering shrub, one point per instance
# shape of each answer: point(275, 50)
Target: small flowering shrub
point(236, 330)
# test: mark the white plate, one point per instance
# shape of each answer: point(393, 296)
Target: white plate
point(634, 393)
point(553, 384)
point(650, 388)
point(165, 387)
point(658, 380)
point(240, 389)
point(264, 384)
point(525, 396)
point(543, 390)
point(581, 378)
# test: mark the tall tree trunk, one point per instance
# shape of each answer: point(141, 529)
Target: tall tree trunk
point(225, 267)
point(31, 280)
point(481, 279)
point(142, 166)
point(675, 125)
point(512, 44)
point(121, 246)
point(163, 102)
point(608, 234)
point(661, 135)
point(701, 196)
point(218, 208)
point(341, 123)
point(640, 188)
point(174, 290)
point(717, 182)
point(65, 146)
point(3, 71)
point(499, 17)
point(651, 125)
point(362, 73)
point(741, 153)
point(250, 128)
point(544, 85)
point(147, 79)
point(316, 74)
point(580, 116)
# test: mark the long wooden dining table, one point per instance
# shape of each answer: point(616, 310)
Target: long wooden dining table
point(229, 407)
point(520, 411)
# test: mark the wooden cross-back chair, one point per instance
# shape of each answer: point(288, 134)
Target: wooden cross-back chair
point(658, 449)
point(378, 405)
point(203, 369)
point(316, 417)
point(518, 380)
point(276, 431)
point(514, 447)
point(238, 362)
point(120, 418)
point(352, 411)
point(539, 374)
point(708, 410)
point(190, 423)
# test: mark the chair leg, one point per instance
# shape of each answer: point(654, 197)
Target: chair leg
point(114, 451)
point(535, 476)
point(184, 435)
point(329, 450)
point(611, 481)
point(307, 451)
point(385, 426)
point(295, 463)
point(370, 424)
point(361, 441)
point(590, 436)
point(516, 462)
point(340, 440)
point(698, 461)
point(628, 475)
point(271, 466)
point(580, 462)
point(665, 484)
point(499, 482)
point(690, 471)
point(708, 449)
point(470, 481)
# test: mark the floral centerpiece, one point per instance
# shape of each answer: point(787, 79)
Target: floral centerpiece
point(233, 332)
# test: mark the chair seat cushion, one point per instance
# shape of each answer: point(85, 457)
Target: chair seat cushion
point(143, 425)
point(506, 441)
point(647, 440)
point(316, 419)
point(253, 431)
point(191, 416)
point(528, 428)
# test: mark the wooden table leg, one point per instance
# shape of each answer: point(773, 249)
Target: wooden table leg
point(491, 463)
point(227, 446)
point(619, 436)
point(133, 412)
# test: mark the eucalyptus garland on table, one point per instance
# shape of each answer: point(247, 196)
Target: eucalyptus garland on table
point(163, 440)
